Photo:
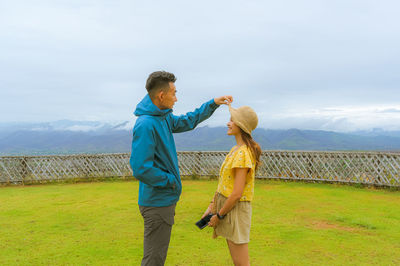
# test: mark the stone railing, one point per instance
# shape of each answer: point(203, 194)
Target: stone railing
point(373, 168)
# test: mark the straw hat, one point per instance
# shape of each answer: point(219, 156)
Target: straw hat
point(244, 117)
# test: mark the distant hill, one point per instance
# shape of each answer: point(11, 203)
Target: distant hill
point(67, 137)
point(205, 138)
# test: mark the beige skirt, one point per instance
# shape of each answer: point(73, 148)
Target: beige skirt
point(236, 225)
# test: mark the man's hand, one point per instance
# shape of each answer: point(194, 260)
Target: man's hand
point(227, 99)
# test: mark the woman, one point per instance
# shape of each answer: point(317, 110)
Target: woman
point(231, 205)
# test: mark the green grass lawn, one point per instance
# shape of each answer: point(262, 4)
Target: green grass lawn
point(292, 224)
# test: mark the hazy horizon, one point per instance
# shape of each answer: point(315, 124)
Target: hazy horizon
point(85, 126)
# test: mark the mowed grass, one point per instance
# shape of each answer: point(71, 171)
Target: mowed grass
point(292, 224)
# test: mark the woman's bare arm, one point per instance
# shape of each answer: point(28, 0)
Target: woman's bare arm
point(238, 188)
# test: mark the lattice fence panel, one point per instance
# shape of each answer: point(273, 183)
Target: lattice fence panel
point(348, 167)
point(200, 163)
point(32, 169)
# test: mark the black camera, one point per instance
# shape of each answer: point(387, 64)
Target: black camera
point(204, 222)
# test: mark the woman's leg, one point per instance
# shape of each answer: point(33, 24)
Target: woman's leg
point(239, 253)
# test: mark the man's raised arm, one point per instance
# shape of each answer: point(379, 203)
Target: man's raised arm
point(190, 120)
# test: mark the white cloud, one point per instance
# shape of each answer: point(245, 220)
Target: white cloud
point(295, 62)
point(339, 118)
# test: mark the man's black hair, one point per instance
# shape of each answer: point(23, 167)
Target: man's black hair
point(159, 80)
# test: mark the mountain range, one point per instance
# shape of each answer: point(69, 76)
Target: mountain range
point(69, 137)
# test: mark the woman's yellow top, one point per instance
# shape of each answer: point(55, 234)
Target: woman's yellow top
point(238, 157)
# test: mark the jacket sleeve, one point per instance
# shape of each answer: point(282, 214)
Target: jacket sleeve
point(142, 158)
point(190, 120)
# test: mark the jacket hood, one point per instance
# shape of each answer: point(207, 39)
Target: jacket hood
point(147, 107)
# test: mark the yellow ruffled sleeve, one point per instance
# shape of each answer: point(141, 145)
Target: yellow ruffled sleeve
point(242, 159)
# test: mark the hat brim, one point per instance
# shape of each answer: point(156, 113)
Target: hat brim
point(234, 117)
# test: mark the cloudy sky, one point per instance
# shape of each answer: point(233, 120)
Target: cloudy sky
point(330, 65)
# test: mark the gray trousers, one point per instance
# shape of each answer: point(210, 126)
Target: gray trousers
point(158, 223)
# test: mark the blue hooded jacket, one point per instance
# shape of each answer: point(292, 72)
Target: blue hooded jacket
point(154, 160)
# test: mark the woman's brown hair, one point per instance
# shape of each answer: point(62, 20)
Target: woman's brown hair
point(254, 146)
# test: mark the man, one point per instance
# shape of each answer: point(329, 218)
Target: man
point(155, 163)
